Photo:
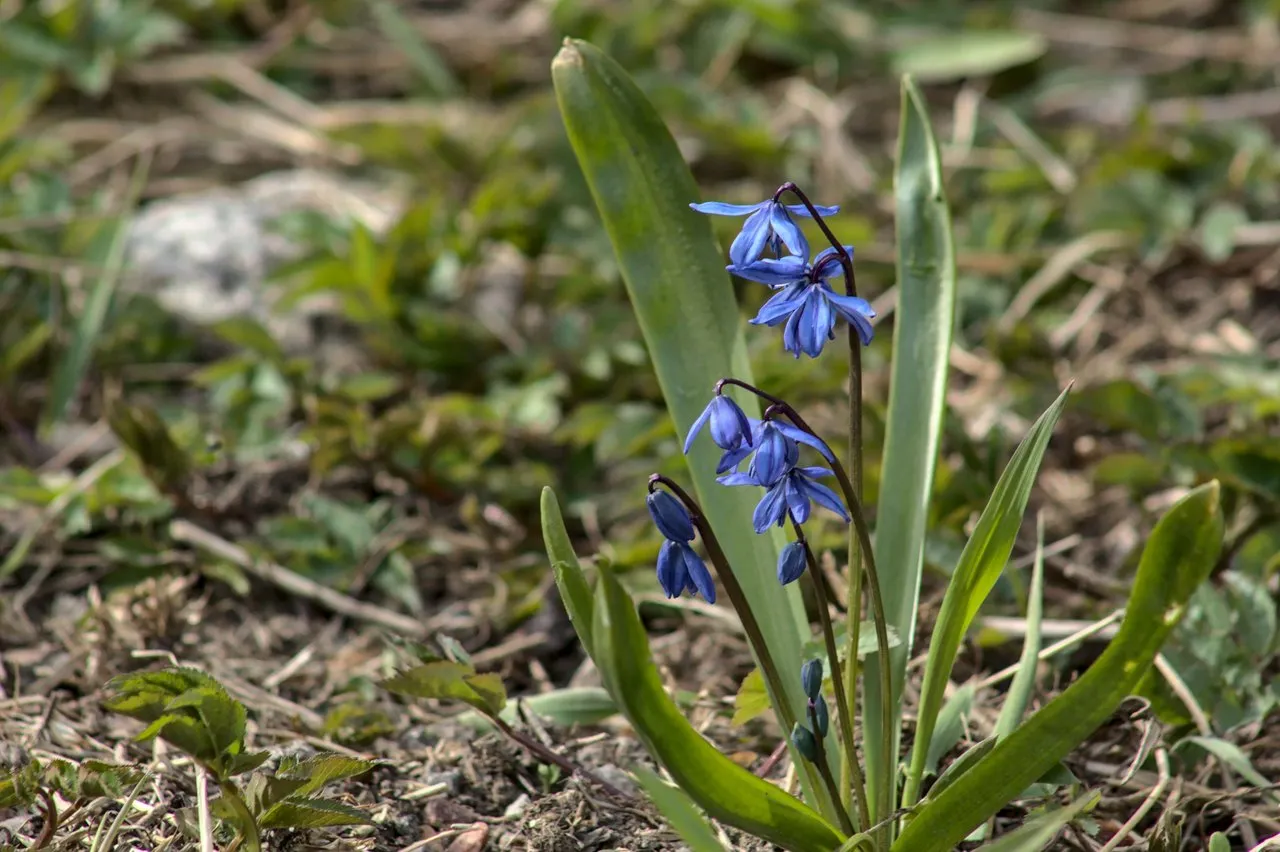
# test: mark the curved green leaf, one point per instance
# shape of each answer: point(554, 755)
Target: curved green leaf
point(980, 565)
point(684, 302)
point(1039, 831)
point(679, 811)
point(723, 789)
point(922, 324)
point(1178, 557)
point(571, 580)
point(1018, 698)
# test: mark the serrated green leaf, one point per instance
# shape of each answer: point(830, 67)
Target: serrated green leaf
point(981, 564)
point(324, 769)
point(726, 791)
point(451, 681)
point(679, 811)
point(312, 813)
point(923, 322)
point(1179, 555)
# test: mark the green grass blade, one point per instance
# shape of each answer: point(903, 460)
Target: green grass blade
point(109, 254)
point(571, 580)
point(1024, 680)
point(675, 277)
point(1038, 832)
point(723, 789)
point(980, 565)
point(679, 811)
point(422, 57)
point(923, 321)
point(1178, 557)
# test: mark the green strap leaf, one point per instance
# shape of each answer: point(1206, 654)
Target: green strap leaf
point(923, 322)
point(1183, 548)
point(680, 812)
point(1038, 832)
point(726, 791)
point(1024, 680)
point(980, 565)
point(575, 592)
point(684, 302)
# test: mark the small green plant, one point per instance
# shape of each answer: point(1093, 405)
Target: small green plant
point(37, 784)
point(852, 795)
point(193, 712)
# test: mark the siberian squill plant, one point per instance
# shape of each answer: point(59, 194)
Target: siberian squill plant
point(761, 476)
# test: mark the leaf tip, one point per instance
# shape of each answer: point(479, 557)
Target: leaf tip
point(570, 54)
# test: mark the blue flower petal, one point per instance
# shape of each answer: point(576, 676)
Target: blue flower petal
point(822, 495)
point(672, 573)
point(729, 427)
point(800, 436)
point(814, 472)
point(732, 458)
point(699, 577)
point(797, 502)
point(781, 305)
point(697, 427)
point(737, 478)
point(719, 208)
point(670, 516)
point(775, 455)
point(770, 510)
point(775, 272)
point(801, 210)
point(787, 231)
point(749, 243)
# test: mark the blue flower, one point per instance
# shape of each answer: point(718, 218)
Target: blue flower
point(730, 428)
point(820, 715)
point(681, 570)
point(791, 495)
point(670, 516)
point(768, 223)
point(760, 432)
point(791, 564)
point(805, 301)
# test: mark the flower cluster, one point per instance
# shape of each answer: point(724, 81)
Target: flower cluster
point(680, 569)
point(803, 302)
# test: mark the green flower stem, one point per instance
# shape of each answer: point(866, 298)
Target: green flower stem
point(849, 757)
point(857, 554)
point(824, 769)
point(738, 598)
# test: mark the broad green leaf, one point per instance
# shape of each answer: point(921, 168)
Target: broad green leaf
point(679, 811)
point(726, 791)
point(1179, 555)
point(583, 705)
point(1039, 831)
point(575, 592)
point(1018, 697)
point(312, 813)
point(752, 700)
point(450, 681)
point(967, 54)
point(923, 322)
point(980, 565)
point(108, 253)
point(1230, 754)
point(684, 303)
point(1219, 842)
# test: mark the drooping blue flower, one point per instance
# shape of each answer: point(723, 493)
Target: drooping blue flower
point(775, 454)
point(681, 570)
point(791, 564)
point(802, 738)
point(768, 223)
point(730, 428)
point(670, 516)
point(805, 301)
point(820, 715)
point(791, 495)
point(759, 431)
